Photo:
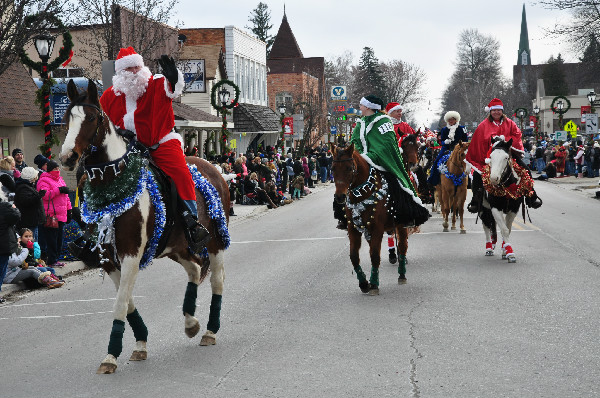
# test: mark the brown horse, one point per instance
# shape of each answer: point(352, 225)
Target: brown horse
point(453, 186)
point(366, 212)
point(93, 140)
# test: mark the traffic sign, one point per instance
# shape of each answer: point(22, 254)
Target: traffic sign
point(570, 126)
point(333, 129)
point(560, 135)
point(591, 123)
point(338, 93)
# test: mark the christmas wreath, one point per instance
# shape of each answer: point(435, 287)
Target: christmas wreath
point(513, 191)
point(233, 103)
point(65, 52)
point(556, 99)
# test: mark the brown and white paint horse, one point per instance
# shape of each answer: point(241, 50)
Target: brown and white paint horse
point(88, 128)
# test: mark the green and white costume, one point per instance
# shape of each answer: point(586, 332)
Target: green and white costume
point(374, 138)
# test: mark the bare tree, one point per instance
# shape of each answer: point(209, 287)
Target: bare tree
point(14, 35)
point(404, 83)
point(112, 24)
point(585, 21)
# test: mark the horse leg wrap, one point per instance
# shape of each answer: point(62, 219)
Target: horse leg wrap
point(214, 317)
point(360, 275)
point(402, 264)
point(115, 344)
point(374, 281)
point(140, 331)
point(189, 302)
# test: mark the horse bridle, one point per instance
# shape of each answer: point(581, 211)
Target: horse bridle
point(350, 159)
point(100, 119)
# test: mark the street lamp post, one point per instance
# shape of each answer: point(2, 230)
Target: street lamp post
point(328, 128)
point(44, 44)
point(592, 98)
point(536, 112)
point(224, 96)
point(521, 115)
point(560, 106)
point(282, 110)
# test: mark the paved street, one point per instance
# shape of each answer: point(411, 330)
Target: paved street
point(295, 324)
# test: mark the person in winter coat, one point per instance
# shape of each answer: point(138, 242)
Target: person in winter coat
point(579, 159)
point(596, 160)
point(29, 201)
point(8, 176)
point(20, 271)
point(306, 170)
point(9, 216)
point(56, 201)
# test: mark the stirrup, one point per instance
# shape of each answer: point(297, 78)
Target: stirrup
point(195, 233)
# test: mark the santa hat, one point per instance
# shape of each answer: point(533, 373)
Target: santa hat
point(127, 58)
point(494, 104)
point(452, 115)
point(392, 106)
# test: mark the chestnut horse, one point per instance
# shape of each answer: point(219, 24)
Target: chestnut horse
point(453, 186)
point(366, 212)
point(93, 140)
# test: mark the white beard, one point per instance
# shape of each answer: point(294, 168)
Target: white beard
point(133, 85)
point(395, 121)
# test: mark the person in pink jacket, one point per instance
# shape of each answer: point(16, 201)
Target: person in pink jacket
point(56, 201)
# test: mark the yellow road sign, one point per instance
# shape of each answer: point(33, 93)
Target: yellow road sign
point(570, 126)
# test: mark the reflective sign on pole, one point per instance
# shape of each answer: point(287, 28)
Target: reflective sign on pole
point(591, 123)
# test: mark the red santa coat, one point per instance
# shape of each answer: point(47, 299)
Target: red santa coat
point(401, 129)
point(481, 141)
point(152, 119)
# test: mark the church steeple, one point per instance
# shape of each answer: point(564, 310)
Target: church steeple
point(524, 57)
point(285, 44)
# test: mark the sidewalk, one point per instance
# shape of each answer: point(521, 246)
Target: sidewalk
point(242, 212)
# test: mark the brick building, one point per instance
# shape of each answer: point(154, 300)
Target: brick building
point(298, 83)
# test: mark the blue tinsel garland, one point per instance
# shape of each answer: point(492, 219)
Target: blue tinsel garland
point(160, 219)
point(443, 168)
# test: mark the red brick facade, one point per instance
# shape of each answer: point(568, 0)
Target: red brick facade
point(201, 36)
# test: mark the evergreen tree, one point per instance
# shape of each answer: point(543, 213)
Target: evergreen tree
point(592, 51)
point(261, 18)
point(369, 78)
point(554, 77)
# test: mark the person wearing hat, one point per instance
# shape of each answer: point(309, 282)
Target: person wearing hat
point(450, 135)
point(579, 158)
point(142, 103)
point(596, 160)
point(374, 138)
point(394, 111)
point(17, 154)
point(561, 157)
point(496, 124)
point(41, 162)
point(56, 202)
point(29, 201)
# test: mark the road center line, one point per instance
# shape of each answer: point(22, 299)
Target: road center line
point(289, 240)
point(57, 316)
point(65, 302)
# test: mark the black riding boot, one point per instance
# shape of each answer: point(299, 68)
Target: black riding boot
point(81, 248)
point(475, 204)
point(339, 213)
point(195, 233)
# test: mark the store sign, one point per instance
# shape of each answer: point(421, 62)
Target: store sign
point(288, 125)
point(338, 93)
point(193, 75)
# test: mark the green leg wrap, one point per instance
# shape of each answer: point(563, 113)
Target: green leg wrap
point(402, 264)
point(214, 318)
point(115, 344)
point(360, 275)
point(374, 276)
point(189, 302)
point(140, 331)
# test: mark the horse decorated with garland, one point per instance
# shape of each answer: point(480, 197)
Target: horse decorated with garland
point(365, 192)
point(506, 185)
point(453, 186)
point(135, 222)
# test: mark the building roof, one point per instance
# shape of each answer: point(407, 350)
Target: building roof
point(250, 118)
point(186, 112)
point(285, 44)
point(210, 53)
point(17, 101)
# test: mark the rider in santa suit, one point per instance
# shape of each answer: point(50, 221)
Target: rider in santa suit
point(394, 111)
point(142, 103)
point(496, 124)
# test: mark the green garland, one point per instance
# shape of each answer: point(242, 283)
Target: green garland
point(124, 186)
point(556, 110)
point(521, 109)
point(63, 54)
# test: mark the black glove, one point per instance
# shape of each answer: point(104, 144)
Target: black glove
point(169, 69)
point(69, 215)
point(42, 193)
point(63, 189)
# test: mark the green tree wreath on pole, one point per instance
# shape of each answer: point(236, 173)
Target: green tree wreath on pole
point(225, 105)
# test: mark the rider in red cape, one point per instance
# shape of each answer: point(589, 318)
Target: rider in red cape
point(394, 111)
point(496, 124)
point(142, 103)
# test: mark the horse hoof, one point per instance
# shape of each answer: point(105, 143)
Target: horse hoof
point(453, 228)
point(503, 256)
point(364, 287)
point(512, 259)
point(374, 291)
point(192, 330)
point(393, 259)
point(106, 369)
point(489, 253)
point(402, 280)
point(463, 231)
point(445, 229)
point(209, 338)
point(139, 356)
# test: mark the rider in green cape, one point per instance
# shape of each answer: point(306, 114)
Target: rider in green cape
point(374, 138)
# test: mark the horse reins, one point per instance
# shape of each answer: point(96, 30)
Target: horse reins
point(100, 119)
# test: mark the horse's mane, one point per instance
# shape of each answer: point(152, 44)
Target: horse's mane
point(409, 139)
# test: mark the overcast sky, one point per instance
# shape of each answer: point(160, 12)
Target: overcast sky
point(424, 33)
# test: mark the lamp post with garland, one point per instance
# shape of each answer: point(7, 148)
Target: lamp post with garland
point(44, 44)
point(282, 110)
point(558, 106)
point(521, 114)
point(536, 113)
point(224, 96)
